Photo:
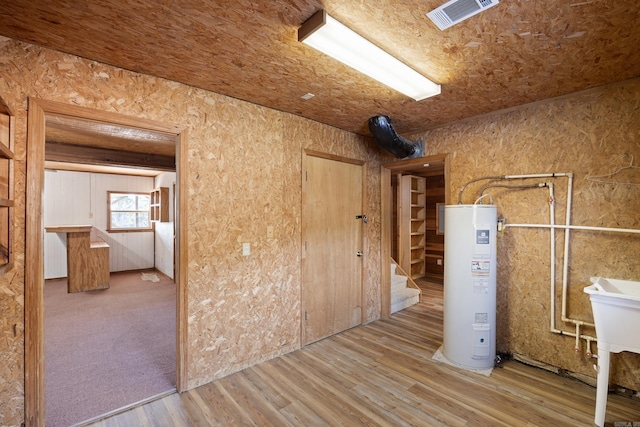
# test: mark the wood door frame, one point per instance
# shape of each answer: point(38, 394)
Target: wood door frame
point(38, 111)
point(386, 217)
point(365, 246)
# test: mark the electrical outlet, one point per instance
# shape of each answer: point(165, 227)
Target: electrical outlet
point(269, 231)
point(439, 261)
point(246, 249)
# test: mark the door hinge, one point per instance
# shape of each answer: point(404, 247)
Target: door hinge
point(306, 315)
point(363, 218)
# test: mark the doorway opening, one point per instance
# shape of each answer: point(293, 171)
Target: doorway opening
point(94, 139)
point(413, 194)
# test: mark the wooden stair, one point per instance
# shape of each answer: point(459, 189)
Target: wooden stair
point(402, 296)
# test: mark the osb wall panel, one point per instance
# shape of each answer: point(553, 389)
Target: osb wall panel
point(12, 344)
point(241, 309)
point(244, 178)
point(12, 282)
point(590, 133)
point(247, 178)
point(317, 137)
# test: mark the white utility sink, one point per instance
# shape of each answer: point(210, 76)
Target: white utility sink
point(616, 306)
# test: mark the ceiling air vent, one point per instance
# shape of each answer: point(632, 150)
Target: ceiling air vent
point(455, 11)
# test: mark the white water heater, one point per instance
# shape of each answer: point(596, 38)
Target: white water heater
point(469, 338)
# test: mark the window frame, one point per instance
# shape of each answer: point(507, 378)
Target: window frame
point(128, 230)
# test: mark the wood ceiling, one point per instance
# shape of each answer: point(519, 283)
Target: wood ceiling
point(91, 143)
point(517, 52)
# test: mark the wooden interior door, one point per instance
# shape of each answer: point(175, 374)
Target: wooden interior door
point(332, 266)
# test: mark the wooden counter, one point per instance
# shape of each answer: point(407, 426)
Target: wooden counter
point(87, 262)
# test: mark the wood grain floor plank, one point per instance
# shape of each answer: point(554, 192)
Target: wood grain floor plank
point(327, 384)
point(295, 389)
point(386, 395)
point(177, 411)
point(208, 402)
point(565, 401)
point(226, 409)
point(299, 414)
point(527, 386)
point(342, 408)
point(387, 343)
point(349, 364)
point(391, 391)
point(331, 374)
point(158, 413)
point(402, 412)
point(442, 382)
point(192, 409)
point(250, 400)
point(276, 399)
point(398, 333)
point(382, 374)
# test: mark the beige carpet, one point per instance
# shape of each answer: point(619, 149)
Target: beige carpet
point(109, 348)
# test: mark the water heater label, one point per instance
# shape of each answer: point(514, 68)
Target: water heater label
point(482, 237)
point(480, 267)
point(482, 246)
point(482, 317)
point(481, 286)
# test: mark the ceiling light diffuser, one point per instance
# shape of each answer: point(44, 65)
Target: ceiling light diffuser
point(324, 33)
point(455, 11)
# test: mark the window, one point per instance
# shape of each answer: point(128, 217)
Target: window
point(128, 211)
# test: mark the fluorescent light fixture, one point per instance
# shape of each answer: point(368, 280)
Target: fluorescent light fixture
point(330, 37)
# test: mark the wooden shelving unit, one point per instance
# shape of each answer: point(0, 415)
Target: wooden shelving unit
point(434, 241)
point(160, 204)
point(7, 136)
point(413, 225)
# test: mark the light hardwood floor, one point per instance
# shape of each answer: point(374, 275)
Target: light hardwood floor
point(382, 374)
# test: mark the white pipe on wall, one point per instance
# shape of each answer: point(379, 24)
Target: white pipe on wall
point(565, 318)
point(565, 262)
point(553, 226)
point(577, 347)
point(567, 227)
point(576, 322)
point(565, 267)
point(552, 221)
point(540, 175)
point(576, 227)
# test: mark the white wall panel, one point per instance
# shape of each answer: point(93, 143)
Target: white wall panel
point(80, 198)
point(64, 204)
point(164, 236)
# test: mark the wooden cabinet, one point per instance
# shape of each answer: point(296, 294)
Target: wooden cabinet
point(7, 132)
point(160, 204)
point(413, 225)
point(87, 261)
